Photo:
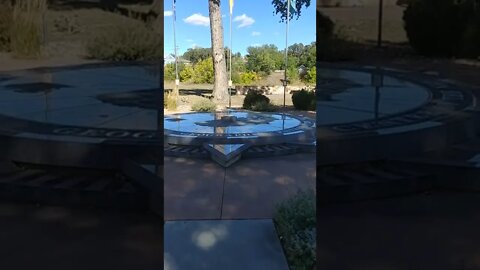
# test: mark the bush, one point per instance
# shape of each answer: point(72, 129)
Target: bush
point(304, 100)
point(169, 72)
point(262, 106)
point(248, 77)
point(129, 42)
point(254, 98)
point(6, 21)
point(443, 28)
point(67, 24)
point(186, 74)
point(204, 105)
point(295, 220)
point(203, 71)
point(336, 47)
point(311, 76)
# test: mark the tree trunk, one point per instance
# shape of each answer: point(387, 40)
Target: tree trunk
point(220, 86)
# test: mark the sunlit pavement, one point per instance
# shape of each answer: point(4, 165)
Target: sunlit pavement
point(251, 188)
point(221, 244)
point(221, 218)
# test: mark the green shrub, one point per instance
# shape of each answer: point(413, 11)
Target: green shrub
point(129, 42)
point(67, 24)
point(336, 47)
point(169, 72)
point(186, 74)
point(254, 97)
point(248, 77)
point(311, 76)
point(203, 71)
point(445, 28)
point(262, 106)
point(304, 100)
point(295, 220)
point(204, 105)
point(6, 21)
point(432, 26)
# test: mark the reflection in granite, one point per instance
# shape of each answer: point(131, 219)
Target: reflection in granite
point(348, 96)
point(145, 99)
point(240, 121)
point(38, 87)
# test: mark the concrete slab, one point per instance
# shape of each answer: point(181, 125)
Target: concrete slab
point(223, 244)
point(202, 189)
point(192, 189)
point(253, 187)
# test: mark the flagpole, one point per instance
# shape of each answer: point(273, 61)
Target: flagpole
point(230, 69)
point(175, 47)
point(286, 54)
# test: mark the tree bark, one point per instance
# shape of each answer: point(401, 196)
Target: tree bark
point(220, 85)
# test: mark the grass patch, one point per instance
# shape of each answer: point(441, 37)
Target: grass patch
point(129, 41)
point(204, 105)
point(295, 220)
point(6, 21)
point(170, 101)
point(25, 36)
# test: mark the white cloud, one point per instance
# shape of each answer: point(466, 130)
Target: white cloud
point(255, 45)
point(167, 13)
point(244, 20)
point(189, 40)
point(255, 33)
point(198, 19)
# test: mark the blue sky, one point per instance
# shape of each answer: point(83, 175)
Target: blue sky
point(253, 24)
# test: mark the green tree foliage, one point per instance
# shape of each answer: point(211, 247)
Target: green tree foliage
point(264, 59)
point(280, 7)
point(196, 55)
point(248, 77)
point(311, 76)
point(187, 73)
point(203, 71)
point(169, 72)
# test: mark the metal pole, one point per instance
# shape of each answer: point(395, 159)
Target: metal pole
point(230, 80)
point(377, 103)
point(175, 47)
point(286, 54)
point(380, 23)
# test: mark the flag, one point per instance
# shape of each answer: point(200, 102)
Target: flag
point(174, 15)
point(293, 6)
point(231, 7)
